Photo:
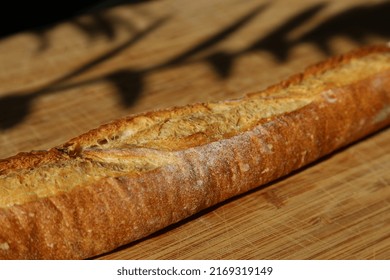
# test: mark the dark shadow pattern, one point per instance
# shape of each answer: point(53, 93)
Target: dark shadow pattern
point(186, 56)
point(97, 24)
point(128, 82)
point(15, 107)
point(276, 41)
point(37, 16)
point(356, 24)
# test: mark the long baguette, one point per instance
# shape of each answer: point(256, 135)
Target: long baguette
point(134, 176)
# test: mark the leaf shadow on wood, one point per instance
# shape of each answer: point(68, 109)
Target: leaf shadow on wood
point(129, 83)
point(15, 107)
point(41, 16)
point(356, 24)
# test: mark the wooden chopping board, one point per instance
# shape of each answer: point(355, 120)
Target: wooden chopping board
point(60, 81)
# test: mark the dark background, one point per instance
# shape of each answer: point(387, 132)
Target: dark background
point(18, 16)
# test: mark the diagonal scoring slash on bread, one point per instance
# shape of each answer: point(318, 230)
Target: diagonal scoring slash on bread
point(147, 171)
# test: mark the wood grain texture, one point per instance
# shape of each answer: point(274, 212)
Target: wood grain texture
point(64, 80)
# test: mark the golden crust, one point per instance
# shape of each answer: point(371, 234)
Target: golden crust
point(30, 160)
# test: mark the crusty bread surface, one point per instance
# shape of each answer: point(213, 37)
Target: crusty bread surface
point(134, 176)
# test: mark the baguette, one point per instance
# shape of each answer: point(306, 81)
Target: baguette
point(131, 177)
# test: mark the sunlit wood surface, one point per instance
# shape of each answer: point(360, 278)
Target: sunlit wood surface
point(62, 80)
